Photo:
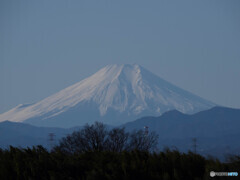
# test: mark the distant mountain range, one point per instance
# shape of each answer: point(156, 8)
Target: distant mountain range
point(215, 122)
point(216, 130)
point(116, 94)
point(24, 135)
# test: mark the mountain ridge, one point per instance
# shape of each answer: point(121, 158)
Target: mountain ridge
point(215, 121)
point(115, 94)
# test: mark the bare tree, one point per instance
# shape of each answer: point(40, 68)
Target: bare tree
point(96, 137)
point(117, 140)
point(139, 140)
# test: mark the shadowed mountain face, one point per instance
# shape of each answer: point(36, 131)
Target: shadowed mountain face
point(216, 130)
point(216, 122)
point(24, 135)
point(115, 95)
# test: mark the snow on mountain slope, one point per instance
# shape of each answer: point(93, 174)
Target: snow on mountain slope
point(115, 94)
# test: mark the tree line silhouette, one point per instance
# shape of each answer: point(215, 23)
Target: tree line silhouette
point(95, 152)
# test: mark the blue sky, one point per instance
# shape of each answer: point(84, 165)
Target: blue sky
point(48, 45)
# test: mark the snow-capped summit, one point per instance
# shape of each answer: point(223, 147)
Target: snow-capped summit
point(115, 94)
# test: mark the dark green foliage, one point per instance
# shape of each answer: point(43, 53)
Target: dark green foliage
point(38, 163)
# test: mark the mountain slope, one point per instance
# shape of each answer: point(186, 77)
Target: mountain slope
point(216, 130)
point(215, 122)
point(25, 135)
point(115, 94)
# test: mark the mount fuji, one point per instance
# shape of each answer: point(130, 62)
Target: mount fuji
point(116, 94)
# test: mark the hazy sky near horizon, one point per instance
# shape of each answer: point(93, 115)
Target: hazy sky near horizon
point(48, 45)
